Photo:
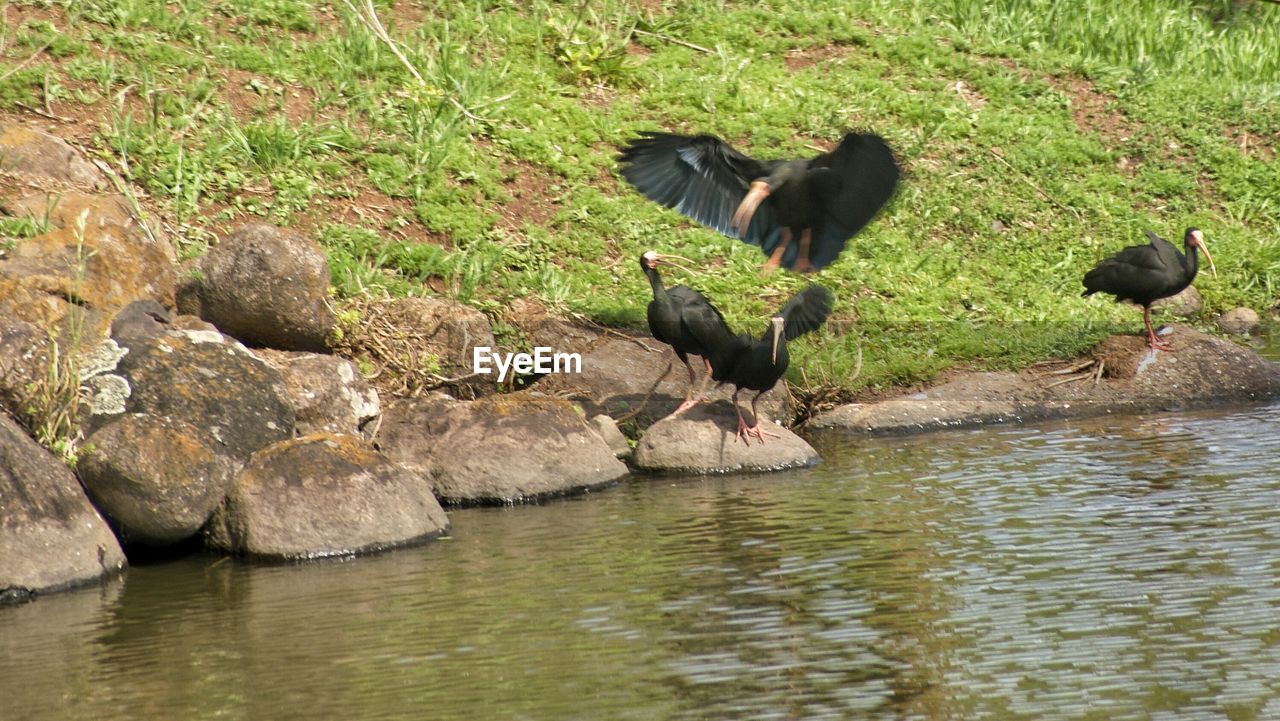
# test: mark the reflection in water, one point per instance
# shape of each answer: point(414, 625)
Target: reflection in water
point(1123, 568)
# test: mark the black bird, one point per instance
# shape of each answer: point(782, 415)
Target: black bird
point(758, 364)
point(821, 201)
point(680, 317)
point(1146, 273)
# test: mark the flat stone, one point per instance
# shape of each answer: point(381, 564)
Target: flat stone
point(703, 440)
point(1203, 371)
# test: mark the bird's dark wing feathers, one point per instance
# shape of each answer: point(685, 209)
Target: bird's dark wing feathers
point(1140, 272)
point(806, 311)
point(863, 176)
point(700, 176)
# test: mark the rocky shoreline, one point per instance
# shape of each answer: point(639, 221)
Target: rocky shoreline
point(212, 406)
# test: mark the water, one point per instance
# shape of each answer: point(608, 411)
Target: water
point(1119, 569)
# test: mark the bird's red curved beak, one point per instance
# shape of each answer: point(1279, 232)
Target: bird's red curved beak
point(747, 208)
point(777, 322)
point(671, 260)
point(1205, 249)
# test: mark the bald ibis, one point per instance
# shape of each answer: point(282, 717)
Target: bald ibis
point(1144, 274)
point(677, 317)
point(822, 201)
point(757, 364)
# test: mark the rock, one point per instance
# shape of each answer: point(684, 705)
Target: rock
point(82, 276)
point(158, 479)
point(50, 535)
point(186, 292)
point(498, 449)
point(65, 210)
point(40, 156)
point(139, 320)
point(608, 430)
point(1239, 321)
point(439, 331)
point(703, 440)
point(207, 380)
point(268, 286)
point(24, 357)
point(1203, 371)
point(1186, 304)
point(324, 495)
point(621, 373)
point(328, 393)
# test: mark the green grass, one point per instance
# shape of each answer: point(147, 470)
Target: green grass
point(1038, 136)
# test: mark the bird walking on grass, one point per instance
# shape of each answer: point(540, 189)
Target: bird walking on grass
point(800, 212)
point(1144, 274)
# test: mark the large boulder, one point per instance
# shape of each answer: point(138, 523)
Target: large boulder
point(704, 440)
point(1239, 321)
point(45, 160)
point(1202, 371)
point(328, 393)
point(157, 478)
point(498, 449)
point(50, 535)
point(324, 495)
point(268, 286)
point(627, 375)
point(202, 378)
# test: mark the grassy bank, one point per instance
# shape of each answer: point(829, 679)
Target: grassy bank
point(1037, 137)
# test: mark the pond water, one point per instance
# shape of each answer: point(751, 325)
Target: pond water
point(1114, 569)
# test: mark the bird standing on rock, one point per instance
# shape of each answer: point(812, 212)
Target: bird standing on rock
point(1146, 273)
point(677, 317)
point(757, 364)
point(820, 202)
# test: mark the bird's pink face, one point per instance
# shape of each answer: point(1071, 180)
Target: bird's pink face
point(1197, 239)
point(650, 259)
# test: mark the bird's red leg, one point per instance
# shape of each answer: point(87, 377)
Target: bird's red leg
point(755, 415)
point(775, 260)
point(702, 390)
point(803, 264)
point(1153, 340)
point(689, 400)
point(743, 432)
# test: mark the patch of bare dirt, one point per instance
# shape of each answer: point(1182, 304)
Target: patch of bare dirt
point(1093, 113)
point(532, 200)
point(800, 58)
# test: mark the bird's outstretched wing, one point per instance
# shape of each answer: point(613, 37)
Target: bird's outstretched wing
point(700, 176)
point(806, 311)
point(852, 182)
